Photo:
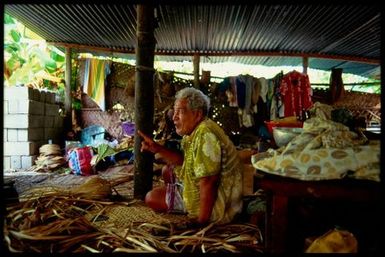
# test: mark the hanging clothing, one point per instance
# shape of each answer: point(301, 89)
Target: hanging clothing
point(256, 91)
point(269, 97)
point(95, 75)
point(224, 85)
point(336, 86)
point(246, 111)
point(277, 108)
point(249, 83)
point(231, 93)
point(241, 92)
point(296, 93)
point(264, 88)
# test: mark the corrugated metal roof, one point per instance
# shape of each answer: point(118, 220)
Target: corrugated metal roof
point(271, 35)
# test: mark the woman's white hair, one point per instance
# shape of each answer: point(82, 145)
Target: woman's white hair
point(196, 100)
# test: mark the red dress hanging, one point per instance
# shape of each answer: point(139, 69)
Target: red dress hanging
point(295, 93)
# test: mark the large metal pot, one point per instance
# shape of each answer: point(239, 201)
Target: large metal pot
point(283, 135)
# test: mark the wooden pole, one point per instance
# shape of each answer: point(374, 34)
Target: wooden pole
point(68, 97)
point(144, 98)
point(305, 64)
point(196, 60)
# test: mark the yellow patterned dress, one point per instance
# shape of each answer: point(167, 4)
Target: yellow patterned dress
point(209, 151)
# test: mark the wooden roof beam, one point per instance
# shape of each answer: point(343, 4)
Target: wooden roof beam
point(79, 47)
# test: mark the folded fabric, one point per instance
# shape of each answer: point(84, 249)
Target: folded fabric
point(324, 150)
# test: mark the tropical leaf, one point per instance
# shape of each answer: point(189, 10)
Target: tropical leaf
point(50, 65)
point(29, 60)
point(13, 63)
point(36, 65)
point(15, 35)
point(57, 57)
point(23, 75)
point(12, 47)
point(104, 151)
point(46, 76)
point(8, 19)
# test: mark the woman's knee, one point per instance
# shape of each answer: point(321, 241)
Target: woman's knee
point(156, 199)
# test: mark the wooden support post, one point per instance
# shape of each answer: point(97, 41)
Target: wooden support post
point(305, 64)
point(68, 98)
point(196, 60)
point(144, 98)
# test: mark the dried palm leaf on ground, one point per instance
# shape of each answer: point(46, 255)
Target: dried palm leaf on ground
point(94, 188)
point(62, 224)
point(51, 224)
point(234, 238)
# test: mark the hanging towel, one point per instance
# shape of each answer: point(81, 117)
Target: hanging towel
point(96, 72)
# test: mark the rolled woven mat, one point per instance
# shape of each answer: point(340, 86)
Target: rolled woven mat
point(93, 187)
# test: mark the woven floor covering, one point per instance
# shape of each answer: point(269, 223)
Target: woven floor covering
point(122, 216)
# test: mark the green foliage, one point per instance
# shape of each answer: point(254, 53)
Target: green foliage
point(76, 104)
point(57, 57)
point(29, 61)
point(8, 19)
point(15, 35)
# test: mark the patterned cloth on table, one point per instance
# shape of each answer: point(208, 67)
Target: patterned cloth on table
point(324, 150)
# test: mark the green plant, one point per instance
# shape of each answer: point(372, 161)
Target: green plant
point(30, 61)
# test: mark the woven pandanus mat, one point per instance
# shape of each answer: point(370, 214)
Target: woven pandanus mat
point(119, 95)
point(88, 102)
point(359, 100)
point(122, 216)
point(110, 121)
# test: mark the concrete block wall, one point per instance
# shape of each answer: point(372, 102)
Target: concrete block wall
point(31, 118)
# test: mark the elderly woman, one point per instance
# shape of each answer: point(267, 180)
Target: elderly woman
point(209, 167)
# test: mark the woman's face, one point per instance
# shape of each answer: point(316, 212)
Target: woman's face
point(185, 120)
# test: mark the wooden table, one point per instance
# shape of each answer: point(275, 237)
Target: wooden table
point(281, 190)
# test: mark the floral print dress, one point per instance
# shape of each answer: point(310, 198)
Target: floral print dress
point(209, 151)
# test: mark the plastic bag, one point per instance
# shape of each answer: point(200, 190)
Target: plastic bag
point(334, 241)
point(174, 198)
point(79, 160)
